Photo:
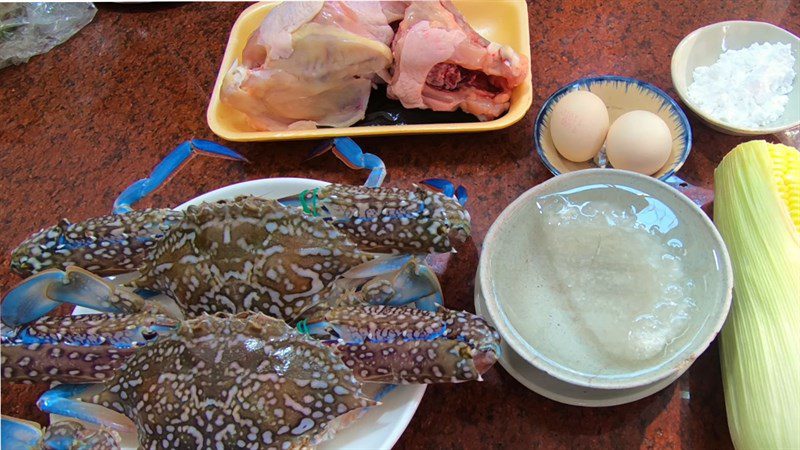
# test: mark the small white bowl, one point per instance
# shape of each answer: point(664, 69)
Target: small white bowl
point(508, 257)
point(703, 47)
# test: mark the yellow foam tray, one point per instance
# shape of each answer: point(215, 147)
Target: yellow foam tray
point(502, 21)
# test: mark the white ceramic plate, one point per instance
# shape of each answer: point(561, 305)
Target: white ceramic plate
point(551, 387)
point(382, 425)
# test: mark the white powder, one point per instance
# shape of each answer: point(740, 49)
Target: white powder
point(747, 87)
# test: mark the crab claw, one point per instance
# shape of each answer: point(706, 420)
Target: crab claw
point(398, 280)
point(447, 188)
point(66, 400)
point(168, 167)
point(84, 348)
point(27, 301)
point(351, 154)
point(18, 433)
point(399, 345)
point(41, 293)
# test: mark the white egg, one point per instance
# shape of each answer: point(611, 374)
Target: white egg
point(578, 125)
point(639, 141)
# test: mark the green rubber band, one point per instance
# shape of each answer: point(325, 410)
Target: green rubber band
point(314, 201)
point(302, 327)
point(304, 203)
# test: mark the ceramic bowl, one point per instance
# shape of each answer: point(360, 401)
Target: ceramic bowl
point(509, 273)
point(703, 47)
point(620, 94)
point(560, 391)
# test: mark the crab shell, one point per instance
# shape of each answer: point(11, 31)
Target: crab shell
point(250, 254)
point(244, 380)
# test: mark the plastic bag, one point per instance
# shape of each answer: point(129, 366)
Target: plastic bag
point(29, 29)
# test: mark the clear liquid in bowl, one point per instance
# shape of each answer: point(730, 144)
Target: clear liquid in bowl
point(610, 291)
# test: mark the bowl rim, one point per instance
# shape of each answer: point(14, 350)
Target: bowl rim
point(683, 94)
point(539, 123)
point(510, 335)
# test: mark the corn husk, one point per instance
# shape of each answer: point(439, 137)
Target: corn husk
point(757, 211)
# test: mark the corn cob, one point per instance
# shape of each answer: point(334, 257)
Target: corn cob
point(757, 211)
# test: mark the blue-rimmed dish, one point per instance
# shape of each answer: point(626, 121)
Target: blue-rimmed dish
point(620, 94)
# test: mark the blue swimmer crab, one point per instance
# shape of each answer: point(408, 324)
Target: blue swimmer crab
point(239, 375)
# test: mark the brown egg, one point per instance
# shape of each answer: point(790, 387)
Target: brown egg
point(639, 141)
point(578, 125)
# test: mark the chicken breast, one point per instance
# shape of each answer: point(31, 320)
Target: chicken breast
point(310, 64)
point(441, 63)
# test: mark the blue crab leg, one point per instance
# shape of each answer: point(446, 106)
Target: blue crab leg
point(397, 280)
point(65, 434)
point(83, 348)
point(430, 302)
point(120, 331)
point(27, 302)
point(415, 283)
point(166, 168)
point(379, 266)
point(18, 433)
point(79, 349)
point(41, 293)
point(448, 189)
point(351, 154)
point(65, 400)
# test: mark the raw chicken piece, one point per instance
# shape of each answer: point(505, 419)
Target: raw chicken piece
point(310, 64)
point(394, 10)
point(365, 18)
point(442, 64)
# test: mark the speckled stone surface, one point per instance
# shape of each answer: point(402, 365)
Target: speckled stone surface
point(83, 121)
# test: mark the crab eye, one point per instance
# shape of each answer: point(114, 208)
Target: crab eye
point(149, 335)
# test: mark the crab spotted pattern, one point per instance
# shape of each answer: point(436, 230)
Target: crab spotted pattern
point(79, 437)
point(106, 245)
point(391, 219)
point(78, 349)
point(246, 380)
point(398, 345)
point(249, 254)
point(223, 378)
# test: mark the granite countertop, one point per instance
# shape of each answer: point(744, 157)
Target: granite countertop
point(83, 121)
